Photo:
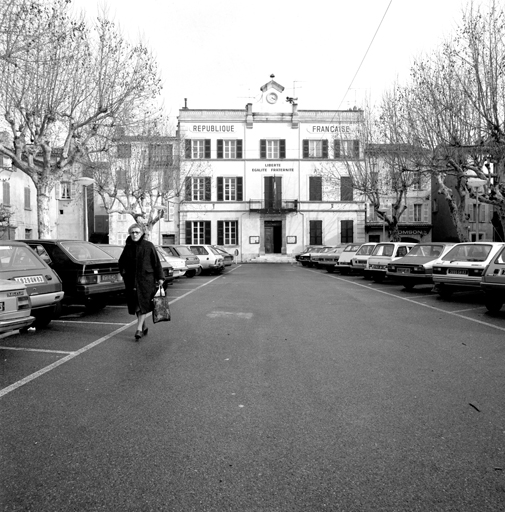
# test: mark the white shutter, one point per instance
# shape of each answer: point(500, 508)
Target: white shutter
point(426, 207)
point(411, 212)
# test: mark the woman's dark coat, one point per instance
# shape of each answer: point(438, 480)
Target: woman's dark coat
point(141, 269)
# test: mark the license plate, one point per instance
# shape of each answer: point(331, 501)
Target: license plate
point(457, 271)
point(29, 279)
point(404, 270)
point(109, 278)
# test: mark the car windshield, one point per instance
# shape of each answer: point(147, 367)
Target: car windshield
point(215, 251)
point(162, 254)
point(468, 252)
point(183, 251)
point(14, 257)
point(351, 248)
point(501, 256)
point(426, 251)
point(113, 250)
point(365, 250)
point(198, 249)
point(83, 251)
point(383, 250)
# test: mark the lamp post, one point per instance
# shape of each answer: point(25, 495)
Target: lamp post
point(475, 184)
point(383, 213)
point(85, 182)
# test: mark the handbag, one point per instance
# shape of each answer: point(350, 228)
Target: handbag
point(161, 307)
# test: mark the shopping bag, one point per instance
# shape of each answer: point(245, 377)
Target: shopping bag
point(161, 307)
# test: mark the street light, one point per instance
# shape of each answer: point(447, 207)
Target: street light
point(475, 184)
point(383, 213)
point(85, 182)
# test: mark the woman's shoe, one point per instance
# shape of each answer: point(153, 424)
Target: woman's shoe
point(145, 331)
point(138, 335)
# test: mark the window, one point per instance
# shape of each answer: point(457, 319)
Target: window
point(121, 238)
point(315, 188)
point(198, 232)
point(315, 148)
point(346, 190)
point(229, 149)
point(227, 232)
point(124, 150)
point(28, 234)
point(160, 156)
point(418, 208)
point(198, 189)
point(272, 149)
point(66, 190)
point(6, 186)
point(346, 231)
point(417, 182)
point(28, 205)
point(229, 189)
point(346, 148)
point(316, 232)
point(197, 148)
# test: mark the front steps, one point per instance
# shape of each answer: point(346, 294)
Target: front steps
point(273, 258)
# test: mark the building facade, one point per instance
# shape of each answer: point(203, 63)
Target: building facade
point(260, 189)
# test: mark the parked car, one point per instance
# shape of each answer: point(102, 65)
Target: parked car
point(89, 275)
point(210, 259)
point(306, 259)
point(227, 257)
point(384, 253)
point(416, 267)
point(18, 262)
point(192, 262)
point(344, 263)
point(327, 259)
point(360, 259)
point(309, 248)
point(493, 283)
point(178, 265)
point(462, 268)
point(116, 250)
point(15, 306)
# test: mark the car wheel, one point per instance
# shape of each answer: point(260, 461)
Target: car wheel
point(42, 321)
point(304, 263)
point(191, 273)
point(408, 286)
point(198, 271)
point(493, 305)
point(444, 292)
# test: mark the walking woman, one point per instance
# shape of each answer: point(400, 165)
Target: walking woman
point(141, 269)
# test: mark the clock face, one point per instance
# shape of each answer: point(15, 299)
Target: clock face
point(271, 97)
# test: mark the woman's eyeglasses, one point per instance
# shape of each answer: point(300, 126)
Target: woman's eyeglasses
point(135, 232)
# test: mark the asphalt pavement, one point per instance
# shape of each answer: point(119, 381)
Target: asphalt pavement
point(274, 388)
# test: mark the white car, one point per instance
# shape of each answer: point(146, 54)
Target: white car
point(15, 306)
point(360, 259)
point(210, 259)
point(344, 263)
point(463, 266)
point(178, 264)
point(384, 253)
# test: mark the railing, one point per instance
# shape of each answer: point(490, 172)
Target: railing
point(273, 205)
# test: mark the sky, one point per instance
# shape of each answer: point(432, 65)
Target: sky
point(330, 54)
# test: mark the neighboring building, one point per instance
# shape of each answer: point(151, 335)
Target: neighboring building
point(260, 192)
point(415, 223)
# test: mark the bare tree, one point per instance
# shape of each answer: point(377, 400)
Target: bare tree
point(63, 97)
point(142, 174)
point(379, 164)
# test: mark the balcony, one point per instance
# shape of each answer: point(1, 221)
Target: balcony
point(273, 205)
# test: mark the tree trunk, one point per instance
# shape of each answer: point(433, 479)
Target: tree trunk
point(457, 213)
point(43, 201)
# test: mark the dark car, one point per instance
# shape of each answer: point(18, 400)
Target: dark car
point(116, 250)
point(192, 262)
point(18, 262)
point(493, 283)
point(89, 275)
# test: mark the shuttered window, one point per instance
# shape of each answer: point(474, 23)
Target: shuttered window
point(28, 205)
point(229, 149)
point(229, 189)
point(315, 188)
point(272, 149)
point(346, 148)
point(197, 149)
point(315, 148)
point(227, 232)
point(316, 232)
point(346, 231)
point(198, 189)
point(198, 232)
point(6, 186)
point(346, 190)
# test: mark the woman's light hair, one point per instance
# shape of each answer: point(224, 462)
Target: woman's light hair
point(133, 226)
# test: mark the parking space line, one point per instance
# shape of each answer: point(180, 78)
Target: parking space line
point(453, 313)
point(468, 309)
point(88, 322)
point(21, 349)
point(84, 349)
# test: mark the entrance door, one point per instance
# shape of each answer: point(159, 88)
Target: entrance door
point(273, 193)
point(273, 236)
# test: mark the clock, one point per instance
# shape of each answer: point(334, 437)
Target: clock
point(271, 97)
